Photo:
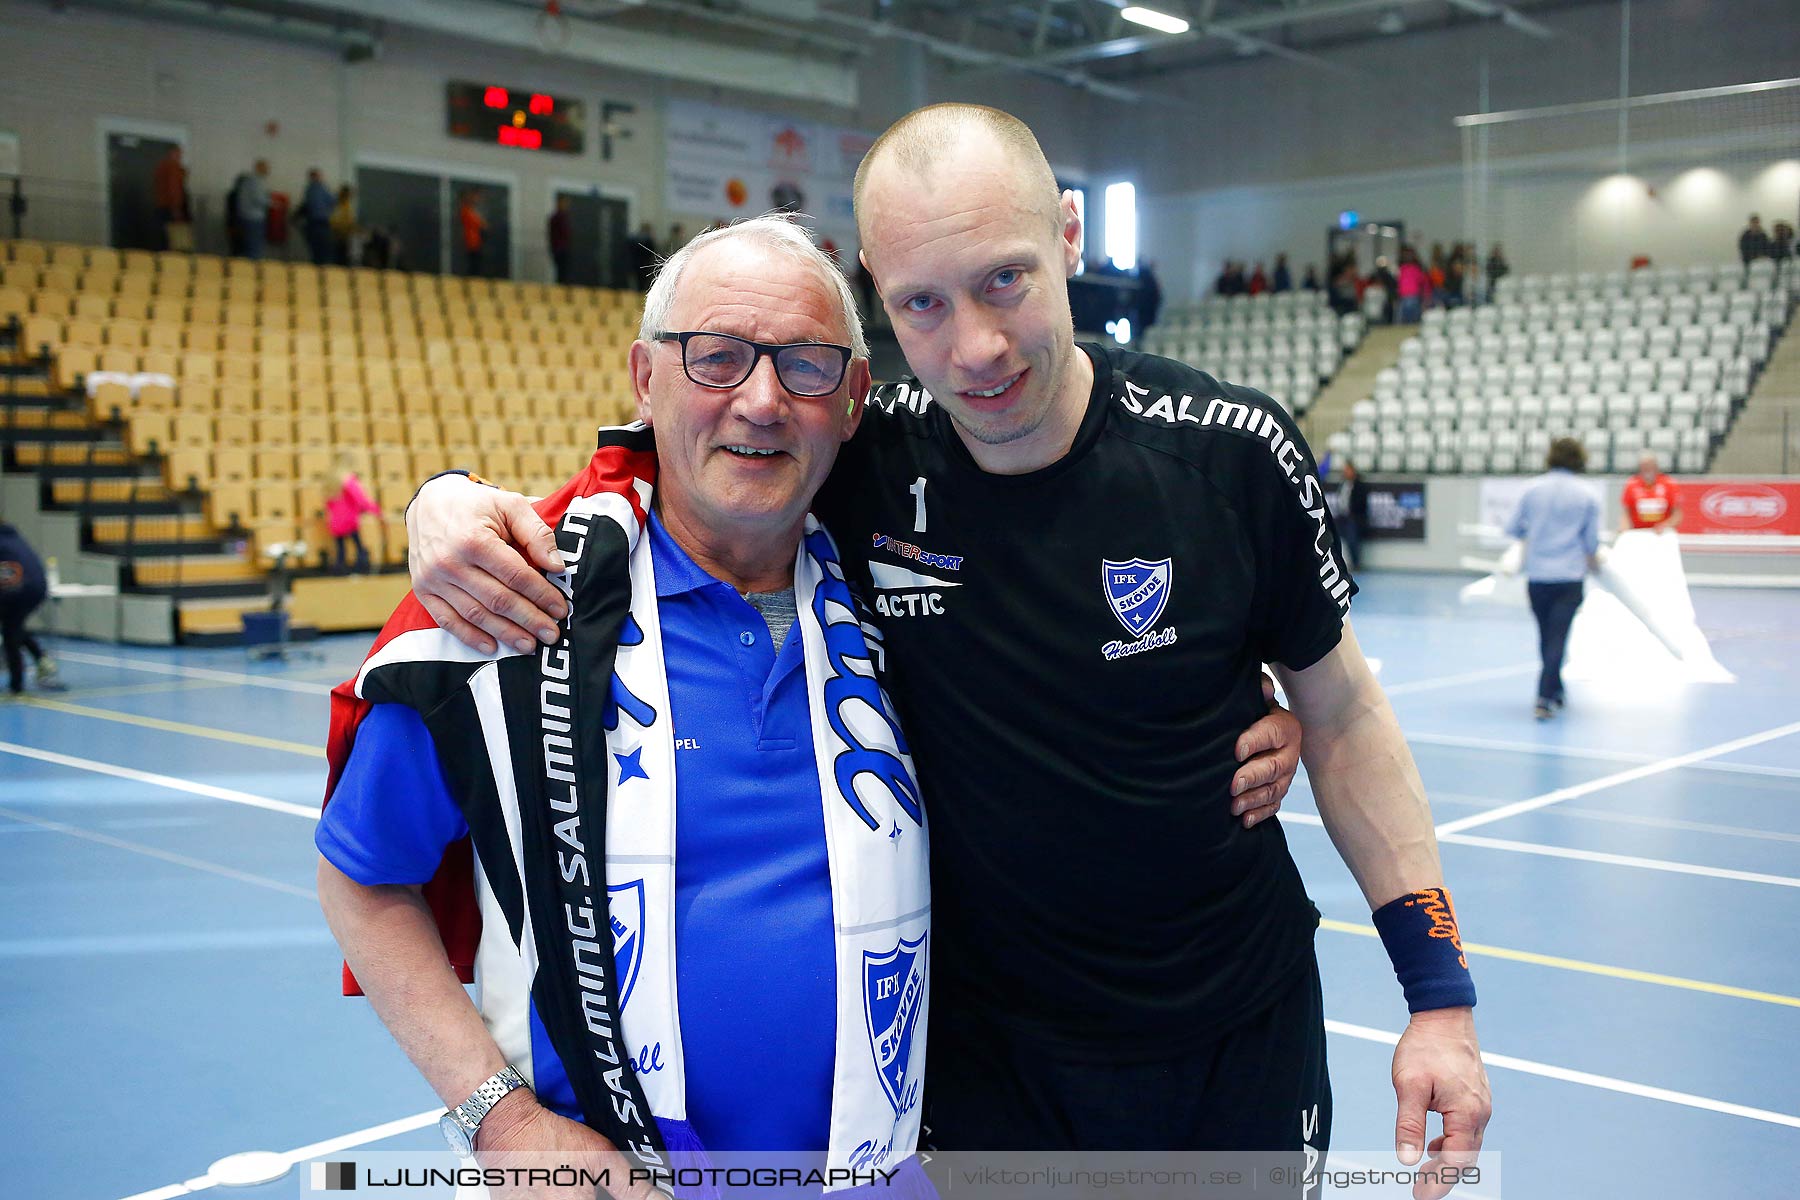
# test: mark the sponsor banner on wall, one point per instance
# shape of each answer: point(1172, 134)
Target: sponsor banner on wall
point(1396, 512)
point(1500, 499)
point(1754, 507)
point(724, 163)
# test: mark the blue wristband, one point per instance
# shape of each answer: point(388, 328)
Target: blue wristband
point(1420, 934)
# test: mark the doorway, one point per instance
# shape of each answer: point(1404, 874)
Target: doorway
point(408, 207)
point(597, 232)
point(131, 160)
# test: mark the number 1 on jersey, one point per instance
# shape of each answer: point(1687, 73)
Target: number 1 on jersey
point(918, 493)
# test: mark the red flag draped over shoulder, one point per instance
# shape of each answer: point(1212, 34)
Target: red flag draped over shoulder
point(625, 459)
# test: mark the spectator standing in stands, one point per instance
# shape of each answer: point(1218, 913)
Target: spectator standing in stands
point(1781, 248)
point(1384, 279)
point(168, 188)
point(1497, 269)
point(1344, 286)
point(1434, 270)
point(1349, 504)
point(1559, 522)
point(1753, 243)
point(1284, 278)
point(474, 231)
point(23, 586)
point(379, 249)
point(251, 208)
point(343, 225)
point(1311, 282)
point(561, 235)
point(1150, 296)
point(316, 206)
point(1413, 287)
point(346, 500)
point(1453, 278)
point(1650, 499)
point(1259, 282)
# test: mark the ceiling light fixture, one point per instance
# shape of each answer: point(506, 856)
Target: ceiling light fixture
point(1159, 21)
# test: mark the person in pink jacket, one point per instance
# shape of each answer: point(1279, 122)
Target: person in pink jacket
point(1414, 286)
point(346, 501)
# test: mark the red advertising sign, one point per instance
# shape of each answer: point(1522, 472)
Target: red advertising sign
point(1743, 507)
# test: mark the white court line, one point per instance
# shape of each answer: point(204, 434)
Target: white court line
point(181, 860)
point(1476, 743)
point(156, 668)
point(167, 781)
point(1609, 781)
point(1597, 856)
point(1430, 685)
point(1618, 860)
point(1587, 1079)
point(300, 1154)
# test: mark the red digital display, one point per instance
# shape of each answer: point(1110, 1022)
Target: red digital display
point(519, 118)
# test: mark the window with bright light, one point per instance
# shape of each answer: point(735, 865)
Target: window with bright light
point(1121, 225)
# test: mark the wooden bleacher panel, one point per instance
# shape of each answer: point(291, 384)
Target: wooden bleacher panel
point(122, 331)
point(228, 500)
point(108, 400)
point(272, 430)
point(232, 466)
point(149, 432)
point(50, 303)
point(312, 463)
point(273, 465)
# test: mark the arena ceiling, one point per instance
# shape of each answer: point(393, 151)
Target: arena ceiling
point(810, 48)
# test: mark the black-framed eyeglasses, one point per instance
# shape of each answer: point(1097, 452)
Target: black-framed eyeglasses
point(720, 360)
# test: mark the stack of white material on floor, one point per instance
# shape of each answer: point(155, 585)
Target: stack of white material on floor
point(1638, 621)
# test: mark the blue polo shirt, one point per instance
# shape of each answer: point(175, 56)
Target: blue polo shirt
point(754, 958)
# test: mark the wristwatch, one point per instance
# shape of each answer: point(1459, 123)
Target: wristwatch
point(460, 1124)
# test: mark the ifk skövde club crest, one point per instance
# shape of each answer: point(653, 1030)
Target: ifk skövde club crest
point(893, 995)
point(625, 902)
point(1138, 590)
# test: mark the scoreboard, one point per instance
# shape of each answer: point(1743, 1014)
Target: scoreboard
point(525, 120)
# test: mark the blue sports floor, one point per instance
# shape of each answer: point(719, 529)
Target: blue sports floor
point(171, 993)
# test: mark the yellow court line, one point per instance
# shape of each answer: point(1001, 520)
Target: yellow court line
point(1590, 968)
point(309, 749)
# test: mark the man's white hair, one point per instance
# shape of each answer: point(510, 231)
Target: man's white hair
point(774, 230)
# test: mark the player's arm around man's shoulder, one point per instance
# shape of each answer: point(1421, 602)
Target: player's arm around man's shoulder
point(1373, 805)
point(477, 553)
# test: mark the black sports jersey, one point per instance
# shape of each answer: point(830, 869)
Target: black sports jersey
point(1074, 653)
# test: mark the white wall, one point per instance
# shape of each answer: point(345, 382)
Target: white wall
point(1269, 152)
point(65, 76)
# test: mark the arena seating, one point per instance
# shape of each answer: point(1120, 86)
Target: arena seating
point(1287, 346)
point(1657, 360)
point(244, 380)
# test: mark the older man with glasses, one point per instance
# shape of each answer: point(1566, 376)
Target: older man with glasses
point(703, 764)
